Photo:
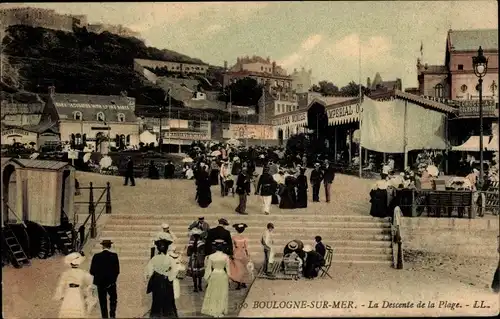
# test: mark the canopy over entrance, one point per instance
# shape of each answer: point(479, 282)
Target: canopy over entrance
point(472, 144)
point(397, 126)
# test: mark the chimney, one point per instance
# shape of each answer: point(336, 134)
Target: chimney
point(225, 65)
point(274, 67)
point(368, 83)
point(52, 90)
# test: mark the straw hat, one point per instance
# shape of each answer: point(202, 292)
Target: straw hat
point(293, 245)
point(307, 248)
point(74, 259)
point(223, 221)
point(165, 226)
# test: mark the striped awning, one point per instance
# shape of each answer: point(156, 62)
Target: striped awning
point(344, 120)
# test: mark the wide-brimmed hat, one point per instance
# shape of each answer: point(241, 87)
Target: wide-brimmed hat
point(106, 242)
point(381, 184)
point(317, 164)
point(219, 242)
point(75, 258)
point(195, 231)
point(223, 221)
point(293, 245)
point(165, 226)
point(307, 248)
point(240, 226)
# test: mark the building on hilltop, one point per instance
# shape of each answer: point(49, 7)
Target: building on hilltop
point(455, 80)
point(174, 67)
point(262, 70)
point(301, 80)
point(38, 17)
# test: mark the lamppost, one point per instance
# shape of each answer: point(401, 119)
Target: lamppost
point(161, 109)
point(480, 64)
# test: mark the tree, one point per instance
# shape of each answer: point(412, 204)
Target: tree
point(297, 144)
point(326, 88)
point(352, 89)
point(244, 92)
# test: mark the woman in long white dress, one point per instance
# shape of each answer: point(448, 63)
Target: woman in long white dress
point(178, 269)
point(217, 273)
point(75, 289)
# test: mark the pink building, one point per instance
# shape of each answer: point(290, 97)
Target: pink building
point(455, 80)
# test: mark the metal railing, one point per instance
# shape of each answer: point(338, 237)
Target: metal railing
point(92, 217)
point(444, 203)
point(397, 239)
point(18, 219)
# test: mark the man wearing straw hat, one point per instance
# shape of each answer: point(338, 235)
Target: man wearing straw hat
point(105, 268)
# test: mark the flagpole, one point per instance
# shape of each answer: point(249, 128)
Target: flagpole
point(169, 119)
point(360, 117)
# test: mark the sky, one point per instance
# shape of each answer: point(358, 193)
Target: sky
point(322, 36)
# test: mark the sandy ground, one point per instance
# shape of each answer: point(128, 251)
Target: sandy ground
point(27, 292)
point(355, 290)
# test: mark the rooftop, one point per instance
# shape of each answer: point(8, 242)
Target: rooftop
point(40, 164)
point(90, 105)
point(470, 40)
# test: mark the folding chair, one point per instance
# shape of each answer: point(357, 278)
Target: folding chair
point(328, 262)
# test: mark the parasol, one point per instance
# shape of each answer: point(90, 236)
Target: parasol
point(433, 170)
point(187, 160)
point(86, 157)
point(215, 153)
point(34, 156)
point(105, 162)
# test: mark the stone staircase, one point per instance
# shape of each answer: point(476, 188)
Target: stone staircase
point(355, 239)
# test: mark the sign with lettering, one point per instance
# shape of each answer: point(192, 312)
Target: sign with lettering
point(93, 106)
point(251, 131)
point(187, 135)
point(343, 111)
point(72, 154)
point(15, 132)
point(100, 128)
point(473, 110)
point(290, 119)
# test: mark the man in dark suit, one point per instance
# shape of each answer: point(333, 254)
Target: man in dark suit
point(129, 173)
point(219, 232)
point(105, 268)
point(328, 177)
point(320, 247)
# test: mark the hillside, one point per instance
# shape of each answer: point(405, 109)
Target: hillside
point(83, 62)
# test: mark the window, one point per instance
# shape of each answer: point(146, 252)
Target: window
point(100, 117)
point(460, 66)
point(128, 140)
point(77, 115)
point(121, 117)
point(78, 139)
point(262, 68)
point(438, 90)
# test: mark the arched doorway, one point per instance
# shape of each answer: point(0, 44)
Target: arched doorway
point(280, 136)
point(317, 121)
point(9, 194)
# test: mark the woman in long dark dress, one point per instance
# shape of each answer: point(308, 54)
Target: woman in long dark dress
point(160, 274)
point(379, 200)
point(214, 173)
point(302, 187)
point(203, 193)
point(196, 254)
point(289, 198)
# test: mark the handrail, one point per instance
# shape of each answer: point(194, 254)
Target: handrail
point(92, 214)
point(397, 238)
point(13, 212)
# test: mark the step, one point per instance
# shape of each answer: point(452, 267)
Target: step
point(335, 244)
point(279, 239)
point(135, 224)
point(212, 217)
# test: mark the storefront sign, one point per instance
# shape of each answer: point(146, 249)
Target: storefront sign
point(473, 110)
point(100, 128)
point(343, 111)
point(264, 132)
point(290, 119)
point(93, 106)
point(15, 132)
point(195, 136)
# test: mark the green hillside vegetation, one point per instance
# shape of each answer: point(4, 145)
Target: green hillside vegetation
point(83, 62)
